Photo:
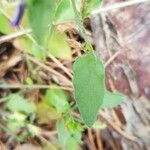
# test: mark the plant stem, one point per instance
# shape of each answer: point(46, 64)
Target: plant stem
point(79, 22)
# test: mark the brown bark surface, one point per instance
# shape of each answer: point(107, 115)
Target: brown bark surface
point(125, 33)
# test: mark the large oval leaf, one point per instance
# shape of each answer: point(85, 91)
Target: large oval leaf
point(88, 83)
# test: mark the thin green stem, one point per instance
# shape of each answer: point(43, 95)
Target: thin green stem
point(79, 22)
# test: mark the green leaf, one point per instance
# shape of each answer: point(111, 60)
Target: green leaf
point(68, 140)
point(58, 99)
point(40, 17)
point(14, 125)
point(64, 12)
point(88, 83)
point(5, 26)
point(25, 44)
point(73, 126)
point(112, 99)
point(38, 53)
point(58, 45)
point(63, 134)
point(72, 144)
point(18, 103)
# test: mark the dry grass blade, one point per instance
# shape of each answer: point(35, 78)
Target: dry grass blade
point(99, 140)
point(60, 65)
point(117, 129)
point(118, 6)
point(91, 140)
point(110, 60)
point(51, 70)
point(113, 125)
point(12, 61)
point(14, 35)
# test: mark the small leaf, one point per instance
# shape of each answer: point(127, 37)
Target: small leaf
point(64, 12)
point(40, 17)
point(63, 134)
point(73, 126)
point(58, 45)
point(25, 44)
point(18, 103)
point(5, 26)
point(58, 99)
point(72, 144)
point(112, 99)
point(88, 83)
point(69, 140)
point(14, 126)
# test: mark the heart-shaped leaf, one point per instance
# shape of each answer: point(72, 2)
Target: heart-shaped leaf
point(88, 83)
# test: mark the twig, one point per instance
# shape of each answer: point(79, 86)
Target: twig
point(68, 82)
point(60, 65)
point(12, 61)
point(14, 35)
point(25, 86)
point(92, 144)
point(49, 133)
point(117, 129)
point(112, 58)
point(113, 125)
point(3, 99)
point(117, 6)
point(98, 139)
